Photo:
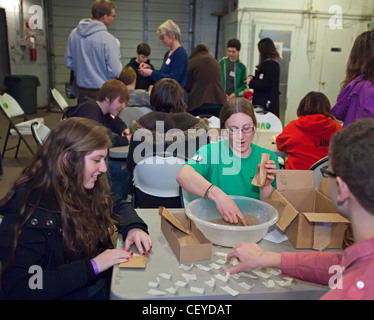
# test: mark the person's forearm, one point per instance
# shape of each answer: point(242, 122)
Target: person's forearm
point(265, 192)
point(192, 181)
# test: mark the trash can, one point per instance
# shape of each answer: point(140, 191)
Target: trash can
point(23, 89)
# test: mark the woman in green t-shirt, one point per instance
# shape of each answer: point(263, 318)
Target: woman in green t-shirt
point(227, 167)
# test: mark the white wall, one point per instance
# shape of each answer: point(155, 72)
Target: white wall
point(313, 65)
point(206, 24)
point(18, 51)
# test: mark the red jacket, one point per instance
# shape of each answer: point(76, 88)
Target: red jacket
point(306, 140)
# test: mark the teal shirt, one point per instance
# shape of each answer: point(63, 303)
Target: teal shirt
point(233, 175)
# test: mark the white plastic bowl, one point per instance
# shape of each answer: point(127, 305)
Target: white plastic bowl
point(200, 211)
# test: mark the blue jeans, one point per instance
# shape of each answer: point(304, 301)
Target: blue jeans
point(120, 178)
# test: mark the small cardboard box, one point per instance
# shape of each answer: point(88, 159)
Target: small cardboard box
point(307, 216)
point(187, 247)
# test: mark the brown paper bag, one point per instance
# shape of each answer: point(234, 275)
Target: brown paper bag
point(136, 261)
point(260, 177)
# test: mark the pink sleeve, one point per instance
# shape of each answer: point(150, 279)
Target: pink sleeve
point(309, 266)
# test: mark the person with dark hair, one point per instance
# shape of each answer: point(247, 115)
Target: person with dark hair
point(59, 216)
point(307, 139)
point(204, 86)
point(228, 167)
point(138, 97)
point(265, 83)
point(356, 98)
point(175, 63)
point(169, 129)
point(350, 176)
point(143, 51)
point(92, 52)
point(233, 72)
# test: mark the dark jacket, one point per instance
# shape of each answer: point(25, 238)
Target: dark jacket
point(91, 110)
point(265, 85)
point(204, 83)
point(41, 244)
point(159, 133)
point(141, 82)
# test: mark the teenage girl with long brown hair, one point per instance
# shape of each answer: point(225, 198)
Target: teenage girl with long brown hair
point(58, 217)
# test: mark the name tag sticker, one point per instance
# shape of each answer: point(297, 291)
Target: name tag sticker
point(168, 61)
point(232, 74)
point(261, 76)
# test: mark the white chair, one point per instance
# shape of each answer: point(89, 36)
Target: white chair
point(316, 169)
point(40, 132)
point(156, 176)
point(60, 100)
point(129, 114)
point(268, 122)
point(12, 109)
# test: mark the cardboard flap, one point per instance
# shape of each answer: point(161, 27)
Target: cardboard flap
point(323, 204)
point(285, 210)
point(322, 188)
point(163, 212)
point(295, 180)
point(325, 217)
point(322, 236)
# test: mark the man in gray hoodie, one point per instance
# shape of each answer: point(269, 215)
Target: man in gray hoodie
point(92, 52)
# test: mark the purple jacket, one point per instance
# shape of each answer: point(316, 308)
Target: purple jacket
point(356, 101)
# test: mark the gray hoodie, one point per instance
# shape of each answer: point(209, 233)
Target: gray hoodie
point(93, 53)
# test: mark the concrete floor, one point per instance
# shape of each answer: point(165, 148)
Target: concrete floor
point(12, 167)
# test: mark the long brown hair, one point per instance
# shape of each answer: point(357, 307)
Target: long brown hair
point(58, 166)
point(361, 59)
point(267, 50)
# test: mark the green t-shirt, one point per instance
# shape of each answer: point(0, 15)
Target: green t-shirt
point(233, 175)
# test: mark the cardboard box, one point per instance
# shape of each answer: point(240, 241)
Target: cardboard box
point(307, 216)
point(187, 247)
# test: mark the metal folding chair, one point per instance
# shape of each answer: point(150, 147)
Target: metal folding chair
point(40, 132)
point(12, 109)
point(60, 100)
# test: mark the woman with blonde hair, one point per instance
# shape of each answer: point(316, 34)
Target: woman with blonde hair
point(59, 215)
point(175, 61)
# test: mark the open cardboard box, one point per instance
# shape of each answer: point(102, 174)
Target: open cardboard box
point(186, 241)
point(307, 216)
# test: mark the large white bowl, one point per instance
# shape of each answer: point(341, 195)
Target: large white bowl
point(200, 211)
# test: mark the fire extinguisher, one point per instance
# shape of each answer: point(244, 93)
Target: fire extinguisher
point(32, 48)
